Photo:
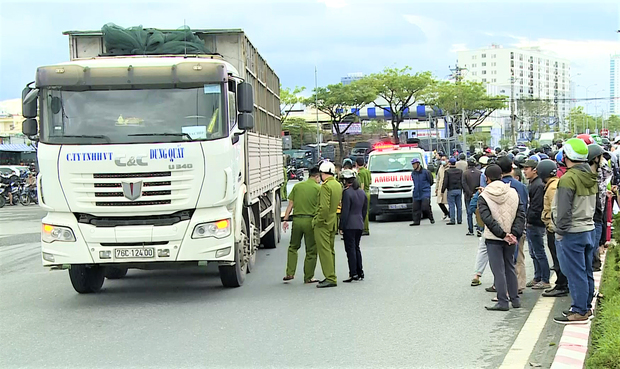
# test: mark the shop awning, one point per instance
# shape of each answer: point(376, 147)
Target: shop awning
point(17, 148)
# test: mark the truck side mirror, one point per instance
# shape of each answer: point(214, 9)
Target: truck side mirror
point(29, 102)
point(245, 98)
point(30, 127)
point(246, 121)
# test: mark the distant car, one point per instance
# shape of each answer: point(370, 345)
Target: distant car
point(359, 151)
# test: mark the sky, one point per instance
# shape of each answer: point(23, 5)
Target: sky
point(335, 36)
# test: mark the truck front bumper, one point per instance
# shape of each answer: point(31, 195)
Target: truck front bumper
point(167, 243)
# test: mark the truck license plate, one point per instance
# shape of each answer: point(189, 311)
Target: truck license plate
point(148, 252)
point(397, 206)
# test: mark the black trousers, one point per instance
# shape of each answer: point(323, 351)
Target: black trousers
point(444, 209)
point(352, 239)
point(561, 283)
point(421, 207)
point(502, 262)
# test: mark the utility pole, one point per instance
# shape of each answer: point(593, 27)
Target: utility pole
point(318, 127)
point(457, 75)
point(513, 117)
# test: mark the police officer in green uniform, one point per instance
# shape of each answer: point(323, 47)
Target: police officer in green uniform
point(303, 201)
point(364, 178)
point(325, 223)
point(283, 189)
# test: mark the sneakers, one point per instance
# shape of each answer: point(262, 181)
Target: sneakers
point(326, 284)
point(478, 234)
point(573, 318)
point(541, 286)
point(555, 292)
point(475, 282)
point(469, 234)
point(531, 283)
point(589, 314)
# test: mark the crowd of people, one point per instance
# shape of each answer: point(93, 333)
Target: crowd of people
point(329, 202)
point(563, 198)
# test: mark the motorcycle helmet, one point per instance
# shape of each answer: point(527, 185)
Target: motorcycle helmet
point(519, 160)
point(472, 161)
point(585, 138)
point(594, 151)
point(546, 168)
point(348, 174)
point(484, 160)
point(327, 167)
point(559, 157)
point(576, 150)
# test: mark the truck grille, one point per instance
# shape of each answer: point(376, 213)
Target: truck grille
point(157, 188)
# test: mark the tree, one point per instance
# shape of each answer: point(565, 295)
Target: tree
point(299, 130)
point(398, 90)
point(465, 98)
point(579, 121)
point(288, 99)
point(478, 139)
point(341, 103)
point(538, 115)
point(613, 124)
point(375, 127)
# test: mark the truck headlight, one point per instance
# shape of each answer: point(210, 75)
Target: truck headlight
point(51, 233)
point(218, 229)
point(374, 190)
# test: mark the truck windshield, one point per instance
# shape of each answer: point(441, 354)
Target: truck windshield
point(393, 162)
point(132, 116)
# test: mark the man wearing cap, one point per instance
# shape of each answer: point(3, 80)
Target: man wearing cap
point(535, 227)
point(303, 202)
point(453, 184)
point(422, 182)
point(325, 223)
point(572, 213)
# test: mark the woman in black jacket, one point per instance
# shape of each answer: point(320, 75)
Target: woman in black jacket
point(354, 206)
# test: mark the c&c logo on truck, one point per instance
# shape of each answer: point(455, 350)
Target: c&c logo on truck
point(131, 162)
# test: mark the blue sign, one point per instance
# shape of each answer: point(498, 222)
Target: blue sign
point(89, 156)
point(167, 153)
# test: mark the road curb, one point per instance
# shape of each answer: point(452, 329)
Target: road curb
point(573, 347)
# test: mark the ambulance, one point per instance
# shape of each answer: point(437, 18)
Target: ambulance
point(391, 188)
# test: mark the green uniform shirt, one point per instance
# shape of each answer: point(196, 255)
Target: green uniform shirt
point(364, 178)
point(305, 197)
point(329, 200)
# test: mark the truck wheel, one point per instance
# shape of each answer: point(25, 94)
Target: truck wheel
point(234, 275)
point(115, 272)
point(372, 217)
point(254, 241)
point(2, 201)
point(271, 239)
point(86, 279)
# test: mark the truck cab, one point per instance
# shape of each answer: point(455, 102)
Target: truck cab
point(391, 189)
point(155, 161)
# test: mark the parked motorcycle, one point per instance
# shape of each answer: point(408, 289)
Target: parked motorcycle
point(294, 173)
point(28, 195)
point(8, 185)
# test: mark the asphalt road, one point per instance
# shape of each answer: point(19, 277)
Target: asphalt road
point(415, 309)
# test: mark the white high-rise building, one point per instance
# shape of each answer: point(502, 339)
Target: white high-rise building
point(521, 73)
point(351, 77)
point(614, 84)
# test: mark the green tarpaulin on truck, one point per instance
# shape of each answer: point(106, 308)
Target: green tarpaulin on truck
point(149, 41)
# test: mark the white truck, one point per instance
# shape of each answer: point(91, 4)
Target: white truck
point(156, 161)
point(391, 188)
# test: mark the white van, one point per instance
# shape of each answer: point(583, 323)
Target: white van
point(391, 189)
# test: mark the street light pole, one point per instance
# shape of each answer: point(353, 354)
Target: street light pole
point(587, 103)
point(596, 111)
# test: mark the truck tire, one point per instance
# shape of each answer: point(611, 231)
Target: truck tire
point(2, 201)
point(234, 275)
point(115, 272)
point(86, 279)
point(271, 239)
point(254, 241)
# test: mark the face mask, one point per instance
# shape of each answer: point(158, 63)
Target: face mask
point(443, 162)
